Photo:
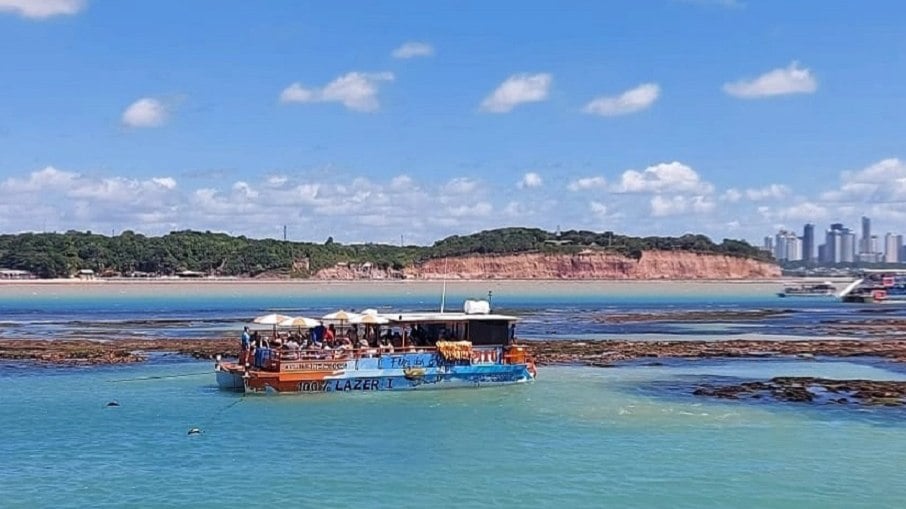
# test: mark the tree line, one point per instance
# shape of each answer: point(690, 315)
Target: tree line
point(54, 255)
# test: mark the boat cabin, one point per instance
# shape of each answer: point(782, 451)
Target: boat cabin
point(469, 333)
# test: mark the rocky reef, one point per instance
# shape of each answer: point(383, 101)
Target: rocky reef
point(811, 390)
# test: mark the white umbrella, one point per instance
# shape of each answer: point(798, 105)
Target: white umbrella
point(339, 316)
point(300, 321)
point(271, 319)
point(370, 319)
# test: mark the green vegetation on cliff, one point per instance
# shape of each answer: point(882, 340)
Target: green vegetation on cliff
point(51, 255)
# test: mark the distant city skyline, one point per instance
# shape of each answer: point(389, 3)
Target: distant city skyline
point(428, 119)
point(839, 245)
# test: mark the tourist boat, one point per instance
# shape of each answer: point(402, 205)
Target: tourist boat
point(877, 286)
point(825, 289)
point(473, 348)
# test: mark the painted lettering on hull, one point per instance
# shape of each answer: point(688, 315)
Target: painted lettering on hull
point(356, 384)
point(484, 356)
point(313, 386)
point(315, 366)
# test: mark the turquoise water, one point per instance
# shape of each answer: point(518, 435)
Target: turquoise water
point(631, 436)
point(578, 437)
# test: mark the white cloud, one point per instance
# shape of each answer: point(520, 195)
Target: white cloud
point(663, 177)
point(355, 90)
point(529, 180)
point(804, 211)
point(514, 209)
point(771, 192)
point(597, 208)
point(413, 49)
point(49, 178)
point(587, 183)
point(782, 81)
point(731, 195)
point(480, 209)
point(461, 185)
point(630, 101)
point(146, 112)
point(38, 9)
point(165, 182)
point(516, 90)
point(402, 183)
point(662, 206)
point(881, 182)
point(277, 180)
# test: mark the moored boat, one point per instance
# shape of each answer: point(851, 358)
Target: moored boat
point(474, 348)
point(825, 289)
point(877, 286)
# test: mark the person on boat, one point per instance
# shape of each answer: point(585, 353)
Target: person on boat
point(317, 335)
point(246, 346)
point(330, 334)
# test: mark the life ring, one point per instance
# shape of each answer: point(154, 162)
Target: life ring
point(879, 295)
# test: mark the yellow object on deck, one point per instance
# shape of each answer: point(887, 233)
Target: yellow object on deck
point(455, 350)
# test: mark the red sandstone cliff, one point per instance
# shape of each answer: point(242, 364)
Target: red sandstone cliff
point(585, 265)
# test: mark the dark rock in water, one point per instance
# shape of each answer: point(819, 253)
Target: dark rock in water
point(113, 403)
point(812, 390)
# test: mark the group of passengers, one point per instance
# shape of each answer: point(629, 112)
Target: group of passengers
point(371, 340)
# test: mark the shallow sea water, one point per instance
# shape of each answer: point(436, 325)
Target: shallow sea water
point(582, 437)
point(631, 436)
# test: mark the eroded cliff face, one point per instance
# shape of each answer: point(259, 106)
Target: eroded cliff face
point(585, 265)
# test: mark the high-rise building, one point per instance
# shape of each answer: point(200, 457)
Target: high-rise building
point(848, 247)
point(808, 243)
point(893, 244)
point(787, 246)
point(793, 248)
point(833, 244)
point(769, 243)
point(865, 242)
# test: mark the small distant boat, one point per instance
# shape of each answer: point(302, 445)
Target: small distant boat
point(825, 289)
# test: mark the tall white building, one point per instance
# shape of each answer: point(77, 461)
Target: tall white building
point(893, 244)
point(787, 246)
point(848, 247)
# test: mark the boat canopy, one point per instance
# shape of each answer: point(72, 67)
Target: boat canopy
point(403, 318)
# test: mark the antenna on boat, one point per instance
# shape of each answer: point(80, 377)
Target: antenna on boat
point(443, 294)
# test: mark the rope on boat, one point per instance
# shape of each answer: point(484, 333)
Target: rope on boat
point(159, 377)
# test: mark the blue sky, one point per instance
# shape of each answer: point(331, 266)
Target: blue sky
point(367, 121)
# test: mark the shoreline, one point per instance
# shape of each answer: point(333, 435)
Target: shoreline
point(306, 281)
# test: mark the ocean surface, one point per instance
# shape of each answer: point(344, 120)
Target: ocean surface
point(631, 436)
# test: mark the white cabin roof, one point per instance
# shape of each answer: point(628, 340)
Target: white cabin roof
point(444, 317)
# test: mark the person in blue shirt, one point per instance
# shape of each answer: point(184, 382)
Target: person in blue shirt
point(246, 346)
point(317, 335)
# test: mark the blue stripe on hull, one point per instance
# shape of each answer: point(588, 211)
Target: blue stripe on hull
point(396, 380)
point(400, 372)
